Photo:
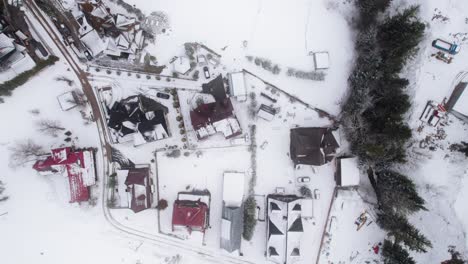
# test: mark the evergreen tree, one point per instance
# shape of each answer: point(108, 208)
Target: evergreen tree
point(398, 192)
point(393, 253)
point(369, 9)
point(398, 38)
point(398, 226)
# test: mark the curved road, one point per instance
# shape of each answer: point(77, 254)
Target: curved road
point(212, 255)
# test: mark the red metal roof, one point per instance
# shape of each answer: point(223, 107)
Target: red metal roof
point(208, 113)
point(73, 161)
point(191, 214)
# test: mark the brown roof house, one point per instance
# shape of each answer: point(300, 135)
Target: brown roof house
point(135, 188)
point(313, 145)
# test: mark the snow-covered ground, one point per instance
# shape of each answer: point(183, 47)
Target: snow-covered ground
point(440, 174)
point(344, 242)
point(41, 226)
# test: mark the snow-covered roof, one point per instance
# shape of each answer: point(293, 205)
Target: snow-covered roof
point(461, 105)
point(100, 11)
point(266, 112)
point(122, 42)
point(6, 45)
point(121, 21)
point(111, 48)
point(284, 229)
point(233, 189)
point(124, 196)
point(85, 27)
point(93, 42)
point(238, 86)
point(205, 198)
point(181, 65)
point(349, 172)
point(231, 228)
point(225, 229)
point(139, 39)
point(88, 172)
point(322, 60)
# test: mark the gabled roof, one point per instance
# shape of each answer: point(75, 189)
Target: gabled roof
point(190, 214)
point(6, 46)
point(347, 172)
point(79, 166)
point(284, 229)
point(210, 113)
point(231, 228)
point(312, 145)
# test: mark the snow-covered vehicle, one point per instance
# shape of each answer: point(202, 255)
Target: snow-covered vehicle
point(446, 46)
point(303, 179)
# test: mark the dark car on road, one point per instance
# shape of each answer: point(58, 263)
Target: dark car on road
point(162, 95)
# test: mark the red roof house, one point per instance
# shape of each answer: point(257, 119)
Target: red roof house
point(188, 214)
point(78, 166)
point(136, 190)
point(218, 117)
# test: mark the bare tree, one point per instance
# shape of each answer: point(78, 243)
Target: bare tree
point(50, 127)
point(79, 98)
point(2, 189)
point(24, 152)
point(65, 79)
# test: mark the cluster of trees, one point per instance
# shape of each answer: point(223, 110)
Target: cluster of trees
point(130, 9)
point(266, 64)
point(311, 75)
point(7, 87)
point(373, 118)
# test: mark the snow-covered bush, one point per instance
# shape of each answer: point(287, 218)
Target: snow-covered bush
point(250, 218)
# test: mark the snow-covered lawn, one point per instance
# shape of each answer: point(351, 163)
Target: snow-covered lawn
point(343, 242)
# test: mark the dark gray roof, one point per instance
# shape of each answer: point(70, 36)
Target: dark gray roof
point(215, 88)
point(312, 145)
point(296, 226)
point(236, 216)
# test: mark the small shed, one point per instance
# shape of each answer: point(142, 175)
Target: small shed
point(181, 65)
point(347, 172)
point(237, 86)
point(266, 112)
point(233, 189)
point(321, 60)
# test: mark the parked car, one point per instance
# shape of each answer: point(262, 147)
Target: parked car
point(317, 194)
point(206, 72)
point(162, 95)
point(446, 46)
point(303, 179)
point(88, 55)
